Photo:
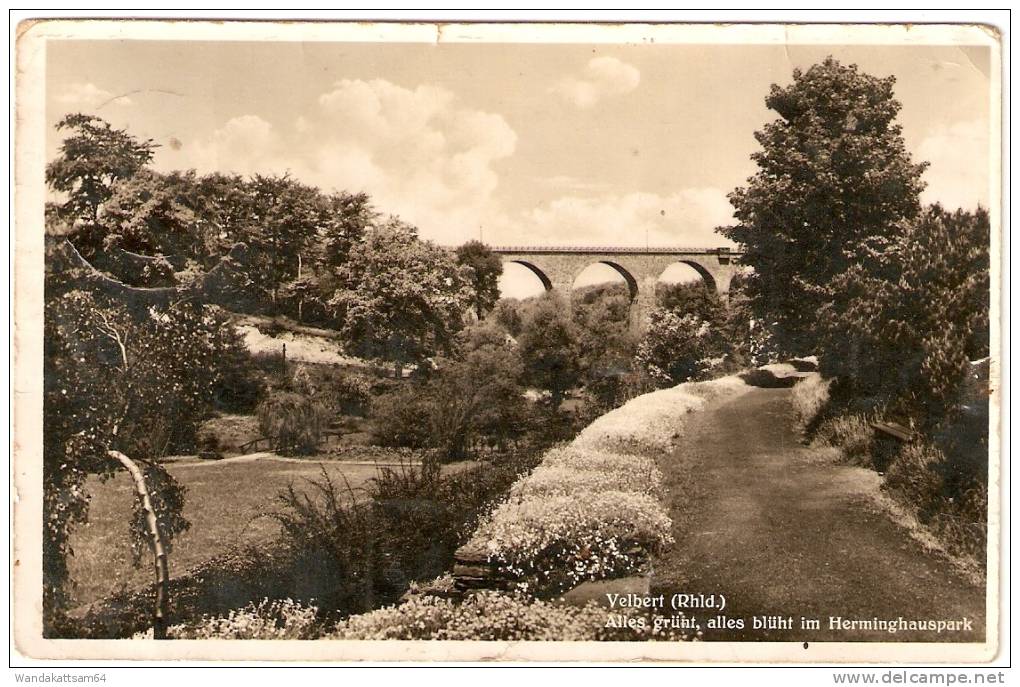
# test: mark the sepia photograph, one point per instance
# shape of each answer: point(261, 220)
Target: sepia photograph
point(412, 341)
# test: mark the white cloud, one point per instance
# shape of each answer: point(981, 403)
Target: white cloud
point(603, 76)
point(88, 95)
point(243, 145)
point(687, 217)
point(959, 172)
point(425, 156)
point(418, 152)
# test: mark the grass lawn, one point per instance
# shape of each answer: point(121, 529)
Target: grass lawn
point(222, 503)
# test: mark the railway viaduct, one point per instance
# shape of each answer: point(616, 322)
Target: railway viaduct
point(558, 267)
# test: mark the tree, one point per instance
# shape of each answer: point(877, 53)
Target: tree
point(400, 299)
point(549, 348)
point(606, 343)
point(349, 215)
point(676, 348)
point(473, 394)
point(834, 182)
point(478, 393)
point(911, 328)
point(485, 270)
point(152, 213)
point(691, 298)
point(507, 314)
point(282, 229)
point(116, 381)
point(92, 159)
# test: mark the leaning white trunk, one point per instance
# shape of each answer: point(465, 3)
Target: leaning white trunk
point(155, 543)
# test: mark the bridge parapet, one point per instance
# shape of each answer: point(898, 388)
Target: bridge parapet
point(616, 250)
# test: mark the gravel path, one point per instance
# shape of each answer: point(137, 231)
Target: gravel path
point(782, 530)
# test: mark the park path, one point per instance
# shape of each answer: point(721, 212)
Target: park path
point(781, 529)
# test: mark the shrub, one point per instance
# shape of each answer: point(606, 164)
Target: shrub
point(549, 544)
point(921, 477)
point(549, 349)
point(292, 421)
point(281, 619)
point(677, 348)
point(809, 398)
point(339, 392)
point(475, 396)
point(271, 367)
point(489, 616)
point(401, 418)
point(507, 314)
point(333, 536)
point(852, 434)
point(569, 471)
point(242, 384)
point(362, 550)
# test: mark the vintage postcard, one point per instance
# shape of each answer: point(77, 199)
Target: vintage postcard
point(511, 342)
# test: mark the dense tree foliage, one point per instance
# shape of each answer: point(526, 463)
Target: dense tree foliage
point(691, 298)
point(834, 182)
point(400, 299)
point(507, 314)
point(473, 395)
point(485, 269)
point(138, 383)
point(676, 348)
point(93, 157)
point(605, 342)
point(911, 327)
point(549, 348)
point(297, 237)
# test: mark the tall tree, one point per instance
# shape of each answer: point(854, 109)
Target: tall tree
point(834, 180)
point(486, 268)
point(400, 299)
point(909, 330)
point(606, 342)
point(549, 348)
point(93, 157)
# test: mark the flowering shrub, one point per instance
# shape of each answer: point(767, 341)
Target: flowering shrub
point(589, 511)
point(648, 423)
point(653, 422)
point(557, 542)
point(490, 616)
point(284, 619)
point(570, 472)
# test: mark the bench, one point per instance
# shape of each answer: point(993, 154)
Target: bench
point(894, 430)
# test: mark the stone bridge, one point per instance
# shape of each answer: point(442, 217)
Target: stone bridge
point(558, 267)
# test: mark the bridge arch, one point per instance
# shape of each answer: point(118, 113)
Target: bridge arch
point(628, 278)
point(537, 271)
point(706, 277)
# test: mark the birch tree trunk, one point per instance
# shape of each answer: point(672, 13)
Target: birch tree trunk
point(160, 613)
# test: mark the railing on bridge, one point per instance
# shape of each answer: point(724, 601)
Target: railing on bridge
point(632, 250)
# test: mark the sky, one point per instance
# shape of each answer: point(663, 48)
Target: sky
point(512, 143)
